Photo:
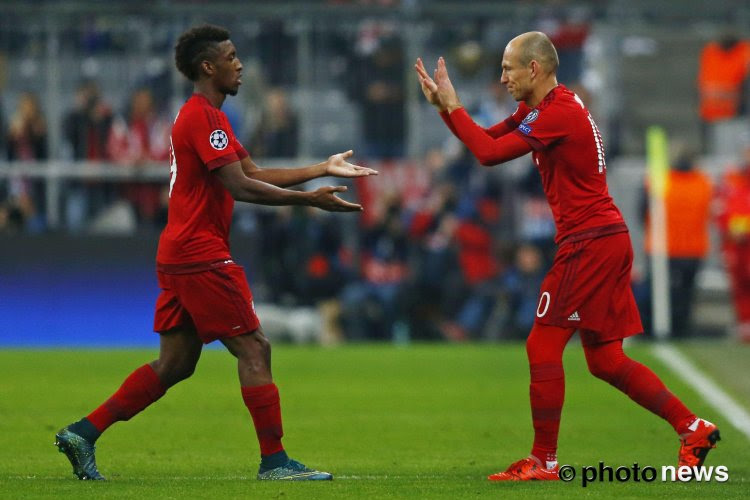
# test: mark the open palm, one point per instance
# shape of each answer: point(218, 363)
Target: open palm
point(337, 166)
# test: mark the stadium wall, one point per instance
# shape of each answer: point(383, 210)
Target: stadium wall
point(77, 291)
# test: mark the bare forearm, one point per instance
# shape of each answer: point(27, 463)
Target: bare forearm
point(264, 193)
point(285, 177)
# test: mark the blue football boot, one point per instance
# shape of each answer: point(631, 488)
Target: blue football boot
point(80, 452)
point(293, 471)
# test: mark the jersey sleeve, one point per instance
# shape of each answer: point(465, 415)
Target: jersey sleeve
point(213, 139)
point(542, 128)
point(487, 149)
point(498, 130)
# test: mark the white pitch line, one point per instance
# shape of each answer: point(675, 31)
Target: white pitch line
point(709, 390)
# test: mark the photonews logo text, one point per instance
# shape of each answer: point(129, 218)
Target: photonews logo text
point(636, 473)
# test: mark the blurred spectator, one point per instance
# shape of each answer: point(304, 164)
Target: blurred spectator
point(277, 50)
point(27, 131)
point(138, 139)
point(17, 209)
point(687, 203)
point(326, 267)
point(11, 215)
point(722, 90)
point(317, 251)
point(568, 31)
point(535, 223)
point(276, 135)
point(371, 306)
point(280, 255)
point(327, 263)
point(377, 85)
point(140, 136)
point(3, 73)
point(734, 226)
point(437, 285)
point(86, 128)
point(469, 57)
point(3, 138)
point(519, 287)
point(27, 141)
point(494, 106)
point(480, 267)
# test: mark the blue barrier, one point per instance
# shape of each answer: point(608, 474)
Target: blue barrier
point(48, 309)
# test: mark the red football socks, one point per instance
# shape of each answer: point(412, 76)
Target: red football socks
point(544, 348)
point(263, 403)
point(608, 362)
point(140, 389)
point(547, 393)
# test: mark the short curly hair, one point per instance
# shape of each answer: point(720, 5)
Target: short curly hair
point(196, 45)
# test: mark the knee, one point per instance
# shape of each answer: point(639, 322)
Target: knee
point(264, 345)
point(260, 345)
point(546, 343)
point(601, 370)
point(608, 362)
point(537, 351)
point(172, 371)
point(255, 355)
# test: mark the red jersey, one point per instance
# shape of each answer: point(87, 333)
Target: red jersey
point(569, 154)
point(200, 207)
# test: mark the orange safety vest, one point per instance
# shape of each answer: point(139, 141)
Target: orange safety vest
point(688, 209)
point(720, 77)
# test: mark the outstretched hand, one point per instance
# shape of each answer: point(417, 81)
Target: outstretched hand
point(337, 166)
point(429, 87)
point(325, 198)
point(439, 90)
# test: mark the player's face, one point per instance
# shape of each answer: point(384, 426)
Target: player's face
point(228, 69)
point(516, 77)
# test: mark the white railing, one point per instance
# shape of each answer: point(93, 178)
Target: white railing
point(56, 172)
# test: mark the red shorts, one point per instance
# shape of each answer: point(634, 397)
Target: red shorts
point(216, 302)
point(588, 288)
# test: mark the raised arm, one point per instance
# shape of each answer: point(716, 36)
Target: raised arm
point(490, 147)
point(487, 149)
point(247, 189)
point(336, 166)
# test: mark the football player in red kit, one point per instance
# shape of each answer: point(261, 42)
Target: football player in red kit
point(588, 287)
point(205, 295)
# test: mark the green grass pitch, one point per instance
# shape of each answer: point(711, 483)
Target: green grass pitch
point(422, 421)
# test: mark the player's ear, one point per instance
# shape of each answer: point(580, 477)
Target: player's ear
point(535, 67)
point(208, 67)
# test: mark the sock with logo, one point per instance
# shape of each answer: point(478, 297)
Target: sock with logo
point(608, 362)
point(265, 408)
point(140, 389)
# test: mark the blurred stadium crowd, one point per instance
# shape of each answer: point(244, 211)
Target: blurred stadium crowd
point(445, 248)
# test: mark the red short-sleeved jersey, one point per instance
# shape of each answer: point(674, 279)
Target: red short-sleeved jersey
point(569, 154)
point(200, 207)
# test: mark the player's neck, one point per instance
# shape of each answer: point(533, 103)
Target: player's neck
point(215, 97)
point(541, 92)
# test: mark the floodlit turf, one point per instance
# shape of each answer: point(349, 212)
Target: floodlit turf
point(424, 421)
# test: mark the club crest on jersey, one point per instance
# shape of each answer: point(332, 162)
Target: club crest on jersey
point(218, 139)
point(531, 116)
